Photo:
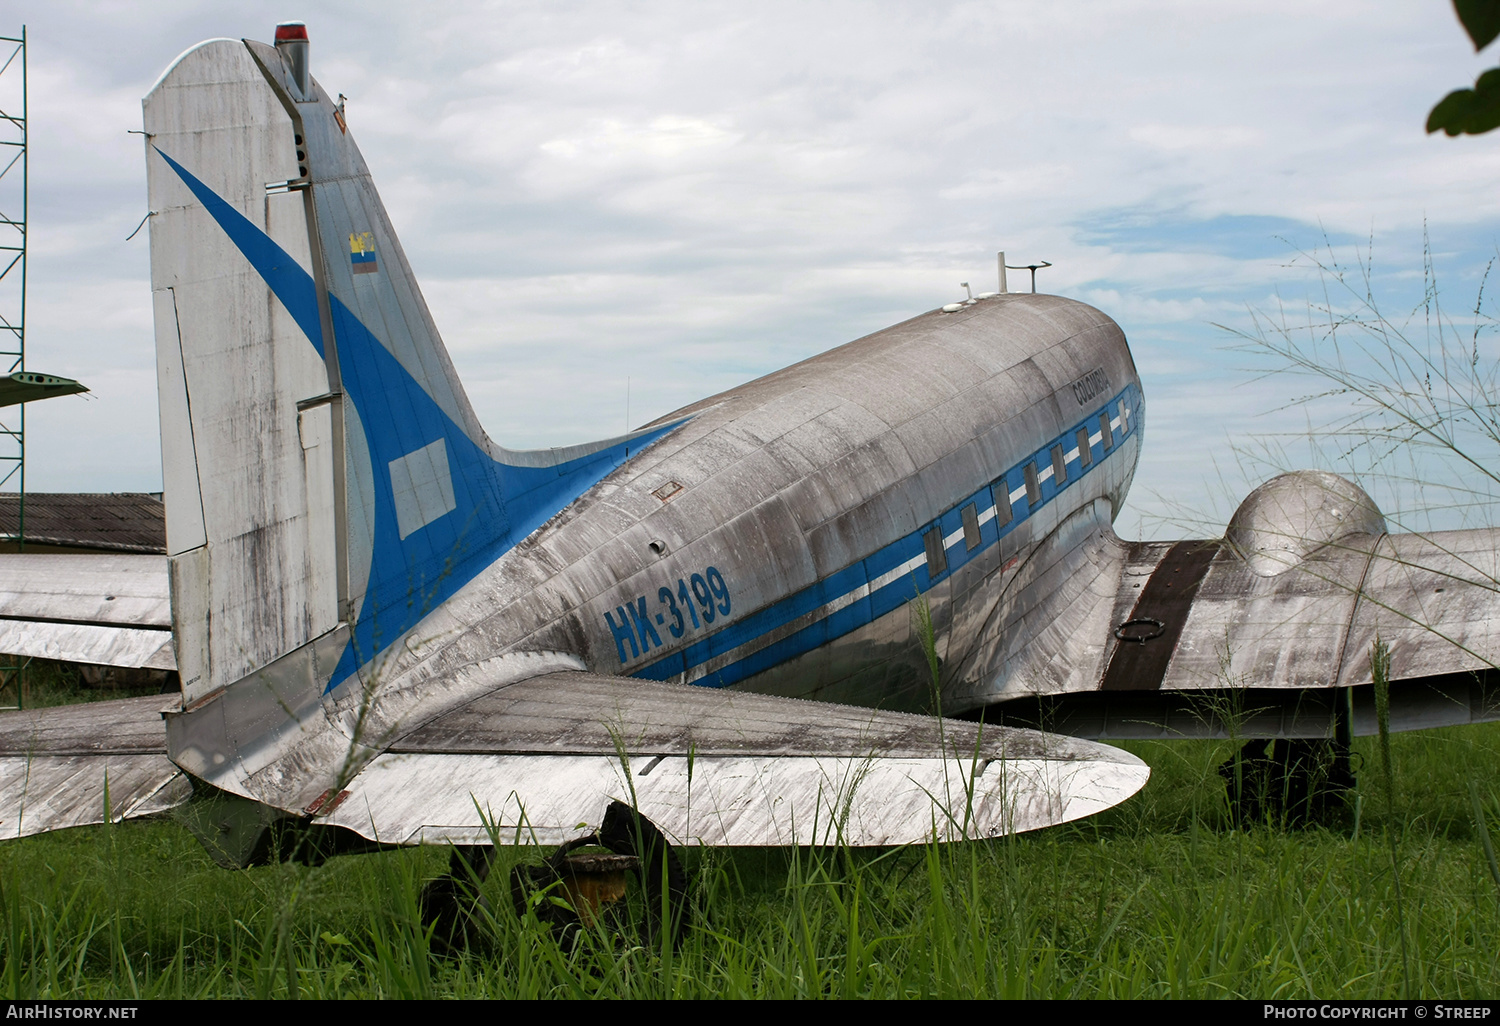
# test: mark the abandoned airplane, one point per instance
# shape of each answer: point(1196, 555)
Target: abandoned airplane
point(739, 619)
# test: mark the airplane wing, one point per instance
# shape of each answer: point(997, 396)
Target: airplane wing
point(104, 610)
point(532, 761)
point(1285, 608)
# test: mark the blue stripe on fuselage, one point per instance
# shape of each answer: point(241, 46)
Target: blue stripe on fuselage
point(894, 594)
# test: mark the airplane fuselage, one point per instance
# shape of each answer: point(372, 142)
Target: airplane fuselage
point(776, 541)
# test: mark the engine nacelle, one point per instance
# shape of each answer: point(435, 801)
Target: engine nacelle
point(1290, 517)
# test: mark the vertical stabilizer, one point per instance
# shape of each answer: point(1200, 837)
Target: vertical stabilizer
point(324, 469)
point(247, 476)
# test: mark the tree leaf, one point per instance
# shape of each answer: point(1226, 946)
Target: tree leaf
point(1481, 20)
point(1469, 111)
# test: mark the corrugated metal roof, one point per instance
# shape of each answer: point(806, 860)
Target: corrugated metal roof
point(110, 522)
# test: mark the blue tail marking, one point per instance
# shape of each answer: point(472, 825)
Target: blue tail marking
point(494, 505)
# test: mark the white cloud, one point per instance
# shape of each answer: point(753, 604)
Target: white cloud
point(683, 195)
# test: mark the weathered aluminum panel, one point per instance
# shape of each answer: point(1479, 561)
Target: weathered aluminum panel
point(532, 760)
point(1048, 631)
point(471, 799)
point(126, 726)
point(92, 644)
point(1299, 589)
point(108, 610)
point(1433, 600)
point(54, 792)
point(126, 590)
point(586, 714)
point(1295, 598)
point(57, 765)
point(232, 369)
point(1245, 630)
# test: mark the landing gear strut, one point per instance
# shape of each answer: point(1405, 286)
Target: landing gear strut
point(591, 885)
point(1287, 781)
point(573, 888)
point(449, 904)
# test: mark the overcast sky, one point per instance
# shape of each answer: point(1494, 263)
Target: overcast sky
point(671, 199)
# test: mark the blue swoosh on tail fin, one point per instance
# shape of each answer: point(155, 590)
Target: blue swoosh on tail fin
point(495, 504)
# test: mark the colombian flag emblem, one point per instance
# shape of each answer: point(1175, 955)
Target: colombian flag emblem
point(362, 252)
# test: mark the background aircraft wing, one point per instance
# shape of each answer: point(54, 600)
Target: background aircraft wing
point(1284, 609)
point(62, 767)
point(534, 760)
point(1434, 600)
point(103, 610)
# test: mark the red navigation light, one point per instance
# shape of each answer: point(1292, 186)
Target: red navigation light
point(289, 31)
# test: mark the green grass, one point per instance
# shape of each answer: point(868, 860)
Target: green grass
point(50, 683)
point(1158, 898)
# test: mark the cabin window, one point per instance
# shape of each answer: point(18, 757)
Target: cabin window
point(971, 526)
point(1033, 485)
point(1106, 439)
point(1059, 466)
point(1001, 488)
point(937, 558)
point(1085, 454)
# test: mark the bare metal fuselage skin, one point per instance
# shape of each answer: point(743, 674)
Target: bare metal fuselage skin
point(371, 597)
point(777, 541)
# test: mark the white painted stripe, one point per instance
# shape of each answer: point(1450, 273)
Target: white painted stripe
point(1045, 474)
point(899, 572)
point(1017, 495)
point(1071, 456)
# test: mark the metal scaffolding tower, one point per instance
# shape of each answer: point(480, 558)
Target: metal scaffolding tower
point(13, 210)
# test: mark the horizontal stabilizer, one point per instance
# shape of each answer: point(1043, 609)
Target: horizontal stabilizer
point(532, 761)
point(60, 767)
point(93, 645)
